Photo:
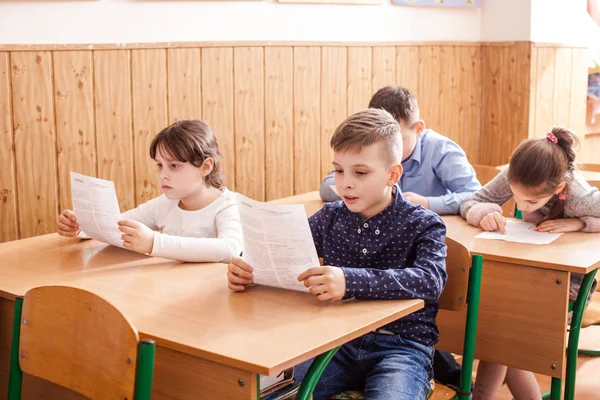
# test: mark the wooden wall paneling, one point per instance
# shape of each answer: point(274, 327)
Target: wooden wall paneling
point(470, 85)
point(384, 68)
point(9, 229)
point(544, 103)
point(577, 107)
point(515, 91)
point(279, 122)
point(360, 73)
point(491, 113)
point(249, 122)
point(533, 82)
point(149, 83)
point(407, 68)
point(429, 87)
point(35, 142)
point(184, 82)
point(451, 96)
point(563, 80)
point(333, 100)
point(217, 104)
point(307, 119)
point(113, 110)
point(75, 125)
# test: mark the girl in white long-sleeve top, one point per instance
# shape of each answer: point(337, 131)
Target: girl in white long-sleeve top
point(196, 218)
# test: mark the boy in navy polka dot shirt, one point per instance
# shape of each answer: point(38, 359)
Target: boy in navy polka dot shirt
point(375, 245)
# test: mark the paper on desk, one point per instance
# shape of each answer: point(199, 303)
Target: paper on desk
point(332, 187)
point(278, 243)
point(521, 232)
point(96, 207)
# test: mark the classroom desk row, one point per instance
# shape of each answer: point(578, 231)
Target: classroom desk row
point(212, 343)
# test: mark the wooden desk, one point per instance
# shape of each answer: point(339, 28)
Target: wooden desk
point(524, 295)
point(211, 342)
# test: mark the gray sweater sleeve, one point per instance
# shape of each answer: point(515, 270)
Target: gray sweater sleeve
point(584, 203)
point(325, 191)
point(497, 191)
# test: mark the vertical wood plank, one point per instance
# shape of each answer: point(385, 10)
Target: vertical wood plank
point(515, 61)
point(333, 100)
point(579, 86)
point(75, 130)
point(9, 228)
point(114, 135)
point(429, 87)
point(491, 114)
point(533, 78)
point(249, 121)
point(279, 102)
point(149, 83)
point(217, 104)
point(544, 104)
point(35, 142)
point(563, 76)
point(184, 84)
point(470, 82)
point(307, 119)
point(384, 67)
point(450, 97)
point(407, 68)
point(360, 64)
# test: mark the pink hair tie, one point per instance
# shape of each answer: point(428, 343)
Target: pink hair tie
point(552, 138)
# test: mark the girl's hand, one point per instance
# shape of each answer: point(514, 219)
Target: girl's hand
point(327, 283)
point(493, 222)
point(239, 275)
point(66, 224)
point(561, 225)
point(137, 236)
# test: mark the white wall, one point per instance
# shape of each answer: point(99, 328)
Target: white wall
point(560, 21)
point(138, 21)
point(505, 20)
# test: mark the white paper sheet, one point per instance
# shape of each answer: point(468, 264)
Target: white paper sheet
point(278, 243)
point(96, 207)
point(521, 232)
point(334, 189)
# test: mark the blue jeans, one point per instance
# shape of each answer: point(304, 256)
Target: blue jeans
point(383, 367)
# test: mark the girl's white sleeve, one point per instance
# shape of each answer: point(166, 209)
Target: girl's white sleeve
point(226, 245)
point(147, 213)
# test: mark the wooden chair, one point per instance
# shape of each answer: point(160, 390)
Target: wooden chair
point(591, 167)
point(462, 289)
point(485, 174)
point(78, 340)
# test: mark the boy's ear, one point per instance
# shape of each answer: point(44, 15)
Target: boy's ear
point(207, 166)
point(395, 174)
point(419, 127)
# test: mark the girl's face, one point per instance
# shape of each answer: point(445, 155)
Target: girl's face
point(179, 180)
point(531, 199)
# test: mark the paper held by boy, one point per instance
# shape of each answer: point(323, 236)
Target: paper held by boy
point(278, 243)
point(520, 232)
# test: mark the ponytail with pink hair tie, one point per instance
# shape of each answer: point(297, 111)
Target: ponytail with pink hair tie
point(551, 137)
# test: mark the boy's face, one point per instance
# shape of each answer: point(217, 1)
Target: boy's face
point(364, 179)
point(410, 134)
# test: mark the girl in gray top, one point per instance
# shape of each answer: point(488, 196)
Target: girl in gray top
point(541, 179)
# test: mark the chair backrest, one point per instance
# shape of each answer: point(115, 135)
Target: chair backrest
point(595, 184)
point(485, 173)
point(458, 265)
point(78, 340)
point(591, 167)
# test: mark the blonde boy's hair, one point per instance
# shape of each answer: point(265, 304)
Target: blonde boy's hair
point(368, 127)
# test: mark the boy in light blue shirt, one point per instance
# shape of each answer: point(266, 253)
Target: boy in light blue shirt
point(437, 174)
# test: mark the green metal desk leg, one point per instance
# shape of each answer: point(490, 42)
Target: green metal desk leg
point(314, 373)
point(578, 309)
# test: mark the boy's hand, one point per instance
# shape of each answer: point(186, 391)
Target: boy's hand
point(137, 236)
point(561, 225)
point(493, 222)
point(239, 274)
point(67, 224)
point(416, 199)
point(327, 283)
